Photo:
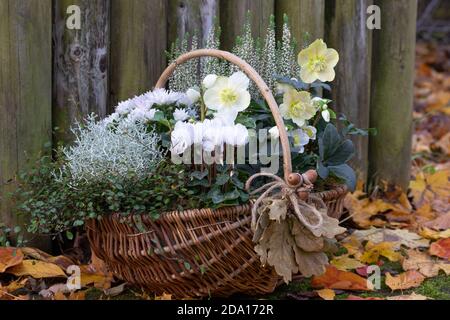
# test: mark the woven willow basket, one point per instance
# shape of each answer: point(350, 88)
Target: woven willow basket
point(198, 252)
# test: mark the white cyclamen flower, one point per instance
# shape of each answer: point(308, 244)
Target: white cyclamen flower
point(181, 137)
point(193, 95)
point(180, 115)
point(209, 80)
point(228, 95)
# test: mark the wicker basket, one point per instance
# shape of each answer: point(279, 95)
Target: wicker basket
point(199, 252)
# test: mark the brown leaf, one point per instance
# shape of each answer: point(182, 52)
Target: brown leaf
point(310, 263)
point(305, 239)
point(336, 279)
point(353, 297)
point(441, 248)
point(405, 280)
point(9, 257)
point(412, 296)
point(37, 269)
point(421, 262)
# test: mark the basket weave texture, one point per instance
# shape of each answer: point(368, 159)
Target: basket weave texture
point(198, 252)
point(193, 253)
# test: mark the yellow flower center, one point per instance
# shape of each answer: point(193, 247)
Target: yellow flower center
point(295, 109)
point(317, 64)
point(228, 96)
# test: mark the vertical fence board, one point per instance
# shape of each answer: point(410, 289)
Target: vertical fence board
point(138, 43)
point(191, 17)
point(305, 16)
point(25, 95)
point(346, 31)
point(233, 14)
point(392, 91)
point(80, 64)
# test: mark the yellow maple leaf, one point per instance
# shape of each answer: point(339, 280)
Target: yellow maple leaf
point(345, 263)
point(374, 251)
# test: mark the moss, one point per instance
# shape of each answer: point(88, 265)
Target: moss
point(436, 288)
point(93, 294)
point(295, 287)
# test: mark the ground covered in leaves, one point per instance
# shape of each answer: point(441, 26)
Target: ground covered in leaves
point(403, 237)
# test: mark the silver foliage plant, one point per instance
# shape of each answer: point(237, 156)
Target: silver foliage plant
point(267, 57)
point(101, 151)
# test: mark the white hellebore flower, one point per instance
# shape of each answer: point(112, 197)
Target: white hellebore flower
point(228, 96)
point(301, 139)
point(193, 95)
point(181, 137)
point(180, 115)
point(209, 80)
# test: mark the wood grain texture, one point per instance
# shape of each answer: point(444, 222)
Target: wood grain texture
point(392, 91)
point(80, 66)
point(233, 14)
point(191, 17)
point(138, 43)
point(25, 95)
point(346, 32)
point(305, 16)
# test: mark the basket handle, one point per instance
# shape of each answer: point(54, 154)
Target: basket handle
point(291, 178)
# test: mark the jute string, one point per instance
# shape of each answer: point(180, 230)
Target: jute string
point(290, 193)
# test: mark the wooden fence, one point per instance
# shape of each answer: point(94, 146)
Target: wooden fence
point(51, 76)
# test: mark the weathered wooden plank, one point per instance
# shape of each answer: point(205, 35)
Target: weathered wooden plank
point(138, 42)
point(80, 64)
point(346, 31)
point(392, 91)
point(25, 95)
point(191, 17)
point(305, 16)
point(233, 14)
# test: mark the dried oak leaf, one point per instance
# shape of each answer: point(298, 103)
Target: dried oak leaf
point(275, 249)
point(405, 280)
point(305, 239)
point(441, 248)
point(336, 279)
point(278, 209)
point(9, 257)
point(310, 263)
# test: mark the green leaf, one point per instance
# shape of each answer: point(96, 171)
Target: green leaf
point(222, 179)
point(69, 235)
point(78, 223)
point(199, 175)
point(345, 172)
point(187, 265)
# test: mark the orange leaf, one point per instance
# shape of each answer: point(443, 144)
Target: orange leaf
point(441, 248)
point(405, 280)
point(9, 257)
point(326, 294)
point(336, 279)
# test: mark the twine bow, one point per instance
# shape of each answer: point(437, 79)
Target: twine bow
point(289, 192)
